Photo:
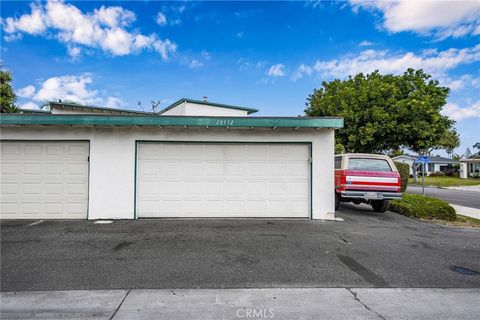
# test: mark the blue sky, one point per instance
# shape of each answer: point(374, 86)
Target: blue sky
point(268, 55)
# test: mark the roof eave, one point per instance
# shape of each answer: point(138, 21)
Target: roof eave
point(173, 121)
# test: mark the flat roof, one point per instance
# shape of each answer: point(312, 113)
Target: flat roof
point(174, 121)
point(207, 103)
point(81, 106)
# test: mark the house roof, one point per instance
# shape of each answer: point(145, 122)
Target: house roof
point(33, 111)
point(84, 107)
point(472, 159)
point(433, 159)
point(207, 103)
point(171, 121)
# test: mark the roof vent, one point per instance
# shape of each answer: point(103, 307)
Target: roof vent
point(205, 98)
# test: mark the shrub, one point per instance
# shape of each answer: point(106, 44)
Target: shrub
point(418, 206)
point(404, 170)
point(437, 174)
point(451, 172)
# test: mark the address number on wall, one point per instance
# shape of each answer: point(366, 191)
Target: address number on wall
point(224, 122)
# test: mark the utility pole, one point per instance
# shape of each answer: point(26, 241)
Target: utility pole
point(423, 178)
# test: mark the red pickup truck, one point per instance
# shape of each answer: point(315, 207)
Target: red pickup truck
point(367, 178)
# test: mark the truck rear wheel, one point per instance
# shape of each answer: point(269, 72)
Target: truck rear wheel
point(337, 200)
point(380, 205)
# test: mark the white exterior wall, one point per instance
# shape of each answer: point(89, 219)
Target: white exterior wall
point(463, 170)
point(194, 109)
point(406, 160)
point(112, 159)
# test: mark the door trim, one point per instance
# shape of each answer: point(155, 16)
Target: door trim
point(137, 142)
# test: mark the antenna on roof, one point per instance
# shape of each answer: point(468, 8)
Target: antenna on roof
point(205, 98)
point(155, 105)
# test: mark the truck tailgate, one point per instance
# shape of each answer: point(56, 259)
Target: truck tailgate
point(371, 180)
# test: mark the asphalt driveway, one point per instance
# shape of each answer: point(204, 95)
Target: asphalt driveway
point(366, 250)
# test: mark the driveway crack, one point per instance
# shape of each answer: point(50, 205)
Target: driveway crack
point(120, 304)
point(355, 297)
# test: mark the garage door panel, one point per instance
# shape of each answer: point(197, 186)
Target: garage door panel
point(222, 180)
point(44, 180)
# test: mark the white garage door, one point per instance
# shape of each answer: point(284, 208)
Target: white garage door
point(223, 180)
point(44, 180)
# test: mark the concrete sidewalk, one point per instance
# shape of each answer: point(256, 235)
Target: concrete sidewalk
point(308, 303)
point(467, 211)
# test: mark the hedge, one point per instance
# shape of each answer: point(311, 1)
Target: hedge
point(418, 206)
point(404, 170)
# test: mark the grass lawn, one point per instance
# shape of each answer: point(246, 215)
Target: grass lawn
point(446, 181)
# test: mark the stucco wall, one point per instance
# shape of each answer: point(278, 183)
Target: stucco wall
point(112, 159)
point(194, 109)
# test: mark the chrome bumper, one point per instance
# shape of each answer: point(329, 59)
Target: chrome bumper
point(372, 195)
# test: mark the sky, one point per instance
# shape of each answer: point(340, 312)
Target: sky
point(265, 55)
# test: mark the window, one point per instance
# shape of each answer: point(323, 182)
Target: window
point(338, 162)
point(369, 164)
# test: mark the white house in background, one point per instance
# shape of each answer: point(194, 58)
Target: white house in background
point(192, 159)
point(436, 163)
point(470, 167)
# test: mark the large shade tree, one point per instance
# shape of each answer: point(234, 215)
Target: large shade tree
point(7, 96)
point(383, 113)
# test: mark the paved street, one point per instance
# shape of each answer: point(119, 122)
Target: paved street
point(461, 197)
point(306, 303)
point(366, 250)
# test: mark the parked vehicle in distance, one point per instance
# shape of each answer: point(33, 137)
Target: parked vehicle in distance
point(367, 178)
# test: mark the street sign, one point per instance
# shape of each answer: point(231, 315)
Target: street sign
point(422, 159)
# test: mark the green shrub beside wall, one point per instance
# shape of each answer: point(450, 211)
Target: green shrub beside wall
point(418, 206)
point(404, 170)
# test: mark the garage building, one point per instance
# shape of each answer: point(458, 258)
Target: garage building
point(193, 159)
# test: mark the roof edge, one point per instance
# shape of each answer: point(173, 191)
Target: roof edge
point(220, 105)
point(185, 121)
point(76, 105)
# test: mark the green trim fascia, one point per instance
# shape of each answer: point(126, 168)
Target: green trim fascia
point(80, 106)
point(174, 121)
point(214, 104)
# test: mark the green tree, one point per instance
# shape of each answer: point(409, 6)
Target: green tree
point(383, 113)
point(450, 141)
point(7, 96)
point(477, 146)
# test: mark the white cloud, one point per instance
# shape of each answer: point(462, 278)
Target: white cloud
point(457, 113)
point(195, 64)
point(433, 62)
point(365, 43)
point(114, 102)
point(161, 19)
point(105, 28)
point(276, 70)
point(74, 52)
point(164, 48)
point(206, 55)
point(301, 71)
point(461, 82)
point(26, 92)
point(68, 88)
point(32, 24)
point(441, 18)
point(29, 105)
